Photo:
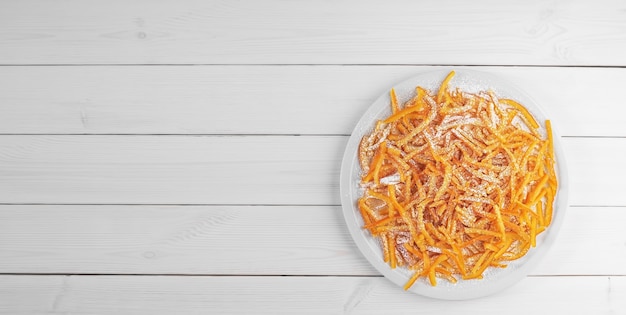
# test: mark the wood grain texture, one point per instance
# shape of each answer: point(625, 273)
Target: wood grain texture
point(291, 295)
point(231, 169)
point(268, 99)
point(170, 169)
point(247, 240)
point(304, 32)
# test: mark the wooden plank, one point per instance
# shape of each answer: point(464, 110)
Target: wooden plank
point(303, 32)
point(294, 295)
point(231, 169)
point(585, 229)
point(177, 240)
point(246, 240)
point(170, 169)
point(267, 99)
point(595, 168)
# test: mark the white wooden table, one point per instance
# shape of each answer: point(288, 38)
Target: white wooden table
point(173, 157)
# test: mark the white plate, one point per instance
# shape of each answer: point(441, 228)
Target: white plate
point(495, 279)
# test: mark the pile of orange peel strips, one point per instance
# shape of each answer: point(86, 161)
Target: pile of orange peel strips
point(456, 182)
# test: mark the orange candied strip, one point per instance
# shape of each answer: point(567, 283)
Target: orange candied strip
point(453, 186)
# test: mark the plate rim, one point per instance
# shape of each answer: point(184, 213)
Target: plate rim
point(478, 288)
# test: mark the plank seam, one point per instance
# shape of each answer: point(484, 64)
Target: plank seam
point(306, 64)
point(259, 275)
point(224, 205)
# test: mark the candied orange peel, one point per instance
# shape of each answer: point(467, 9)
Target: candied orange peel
point(456, 182)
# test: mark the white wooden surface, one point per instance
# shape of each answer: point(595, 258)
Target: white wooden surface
point(297, 295)
point(161, 157)
point(307, 32)
point(246, 240)
point(309, 100)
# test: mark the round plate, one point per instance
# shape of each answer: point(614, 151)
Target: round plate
point(494, 279)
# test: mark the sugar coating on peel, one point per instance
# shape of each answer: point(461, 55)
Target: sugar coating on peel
point(456, 182)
